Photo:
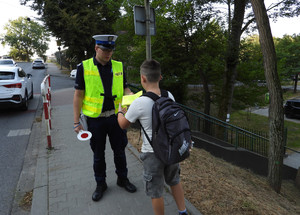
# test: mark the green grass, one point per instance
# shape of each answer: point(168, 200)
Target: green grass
point(257, 122)
point(290, 94)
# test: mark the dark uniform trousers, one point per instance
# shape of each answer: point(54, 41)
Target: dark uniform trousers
point(100, 128)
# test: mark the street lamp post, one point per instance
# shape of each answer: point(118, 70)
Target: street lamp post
point(60, 57)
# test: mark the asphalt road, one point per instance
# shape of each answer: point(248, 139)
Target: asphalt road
point(265, 112)
point(15, 130)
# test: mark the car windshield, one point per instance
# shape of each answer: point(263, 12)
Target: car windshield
point(7, 75)
point(6, 62)
point(38, 61)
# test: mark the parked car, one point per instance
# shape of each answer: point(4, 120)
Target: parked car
point(36, 64)
point(16, 87)
point(292, 108)
point(73, 73)
point(7, 62)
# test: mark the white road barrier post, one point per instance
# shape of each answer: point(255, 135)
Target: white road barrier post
point(46, 94)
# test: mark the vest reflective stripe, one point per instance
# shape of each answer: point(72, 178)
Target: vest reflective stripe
point(93, 101)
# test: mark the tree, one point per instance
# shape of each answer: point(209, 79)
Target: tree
point(179, 43)
point(288, 55)
point(232, 56)
point(251, 88)
point(74, 22)
point(207, 51)
point(276, 121)
point(26, 38)
point(239, 23)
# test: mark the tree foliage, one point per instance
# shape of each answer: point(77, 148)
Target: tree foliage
point(74, 22)
point(192, 41)
point(26, 37)
point(240, 21)
point(288, 55)
point(174, 45)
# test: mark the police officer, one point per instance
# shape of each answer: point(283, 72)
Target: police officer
point(99, 86)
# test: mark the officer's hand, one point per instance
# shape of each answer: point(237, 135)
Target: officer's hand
point(78, 128)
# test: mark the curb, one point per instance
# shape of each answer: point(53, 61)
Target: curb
point(40, 199)
point(27, 176)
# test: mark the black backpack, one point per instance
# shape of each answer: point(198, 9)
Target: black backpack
point(171, 135)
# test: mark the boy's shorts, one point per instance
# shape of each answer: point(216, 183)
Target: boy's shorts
point(156, 173)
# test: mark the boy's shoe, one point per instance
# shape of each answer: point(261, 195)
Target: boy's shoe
point(185, 213)
point(126, 184)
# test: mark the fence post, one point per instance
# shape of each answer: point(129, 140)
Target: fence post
point(297, 181)
point(46, 94)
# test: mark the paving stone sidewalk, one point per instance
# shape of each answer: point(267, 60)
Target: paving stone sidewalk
point(64, 180)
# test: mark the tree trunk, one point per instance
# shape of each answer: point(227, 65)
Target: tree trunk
point(276, 120)
point(232, 58)
point(296, 81)
point(207, 101)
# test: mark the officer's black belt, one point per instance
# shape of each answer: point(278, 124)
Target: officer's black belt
point(109, 96)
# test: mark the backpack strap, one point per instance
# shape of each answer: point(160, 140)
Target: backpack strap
point(154, 97)
point(148, 138)
point(164, 93)
point(151, 95)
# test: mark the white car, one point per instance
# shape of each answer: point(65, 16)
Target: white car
point(16, 87)
point(7, 62)
point(73, 73)
point(38, 63)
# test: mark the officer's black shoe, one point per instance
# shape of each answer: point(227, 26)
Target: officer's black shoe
point(97, 195)
point(126, 184)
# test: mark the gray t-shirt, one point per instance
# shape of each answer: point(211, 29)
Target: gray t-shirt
point(141, 109)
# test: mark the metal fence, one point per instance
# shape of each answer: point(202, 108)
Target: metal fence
point(222, 132)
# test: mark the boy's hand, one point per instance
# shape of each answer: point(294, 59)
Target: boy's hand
point(192, 146)
point(122, 109)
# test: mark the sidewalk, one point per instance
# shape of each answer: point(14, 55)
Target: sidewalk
point(64, 180)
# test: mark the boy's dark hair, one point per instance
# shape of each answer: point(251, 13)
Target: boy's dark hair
point(151, 69)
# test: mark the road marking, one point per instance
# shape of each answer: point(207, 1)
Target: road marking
point(20, 132)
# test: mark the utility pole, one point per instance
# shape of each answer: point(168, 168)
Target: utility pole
point(148, 37)
point(58, 43)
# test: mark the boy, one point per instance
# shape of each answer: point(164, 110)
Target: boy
point(155, 172)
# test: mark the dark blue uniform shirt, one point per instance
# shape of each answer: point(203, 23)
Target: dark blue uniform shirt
point(106, 77)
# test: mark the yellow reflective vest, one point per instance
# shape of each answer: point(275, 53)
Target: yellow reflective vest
point(94, 90)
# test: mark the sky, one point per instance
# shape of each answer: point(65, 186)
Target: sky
point(12, 9)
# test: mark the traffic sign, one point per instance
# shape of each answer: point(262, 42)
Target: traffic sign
point(140, 20)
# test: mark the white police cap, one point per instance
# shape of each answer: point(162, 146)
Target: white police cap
point(106, 41)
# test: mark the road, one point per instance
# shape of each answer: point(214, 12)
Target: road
point(265, 112)
point(15, 130)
